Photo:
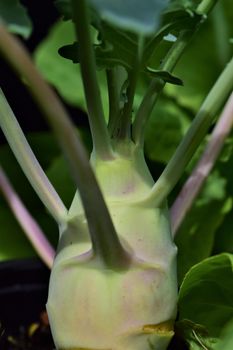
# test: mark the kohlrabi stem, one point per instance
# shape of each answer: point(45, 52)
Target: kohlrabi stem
point(100, 136)
point(156, 86)
point(194, 136)
point(113, 97)
point(105, 241)
point(29, 163)
point(193, 185)
point(27, 222)
point(123, 129)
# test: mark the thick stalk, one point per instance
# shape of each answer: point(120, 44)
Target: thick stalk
point(103, 235)
point(193, 185)
point(27, 222)
point(100, 136)
point(29, 163)
point(194, 136)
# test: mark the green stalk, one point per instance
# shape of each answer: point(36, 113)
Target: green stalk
point(200, 173)
point(156, 86)
point(100, 136)
point(29, 163)
point(122, 130)
point(193, 138)
point(113, 97)
point(206, 6)
point(106, 244)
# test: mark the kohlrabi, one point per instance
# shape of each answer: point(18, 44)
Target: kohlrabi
point(113, 283)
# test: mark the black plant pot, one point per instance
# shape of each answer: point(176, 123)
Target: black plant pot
point(23, 293)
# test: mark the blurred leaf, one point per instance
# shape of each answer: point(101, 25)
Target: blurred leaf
point(59, 175)
point(45, 147)
point(195, 238)
point(14, 15)
point(226, 339)
point(224, 235)
point(115, 48)
point(13, 243)
point(61, 73)
point(202, 61)
point(195, 335)
point(64, 7)
point(164, 131)
point(205, 295)
point(189, 4)
point(141, 17)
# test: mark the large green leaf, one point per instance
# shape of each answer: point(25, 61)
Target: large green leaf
point(195, 238)
point(205, 295)
point(63, 74)
point(14, 15)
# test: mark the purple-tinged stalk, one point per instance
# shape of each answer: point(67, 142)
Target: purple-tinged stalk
point(193, 185)
point(29, 225)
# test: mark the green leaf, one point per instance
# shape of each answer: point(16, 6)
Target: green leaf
point(195, 238)
point(58, 173)
point(226, 339)
point(119, 51)
point(13, 243)
point(164, 131)
point(205, 295)
point(14, 15)
point(61, 73)
point(115, 46)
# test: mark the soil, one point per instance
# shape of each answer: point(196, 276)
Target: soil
point(36, 336)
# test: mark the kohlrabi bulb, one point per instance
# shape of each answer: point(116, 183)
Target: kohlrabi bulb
point(130, 308)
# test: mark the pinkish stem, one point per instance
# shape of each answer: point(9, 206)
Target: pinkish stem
point(193, 185)
point(27, 222)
